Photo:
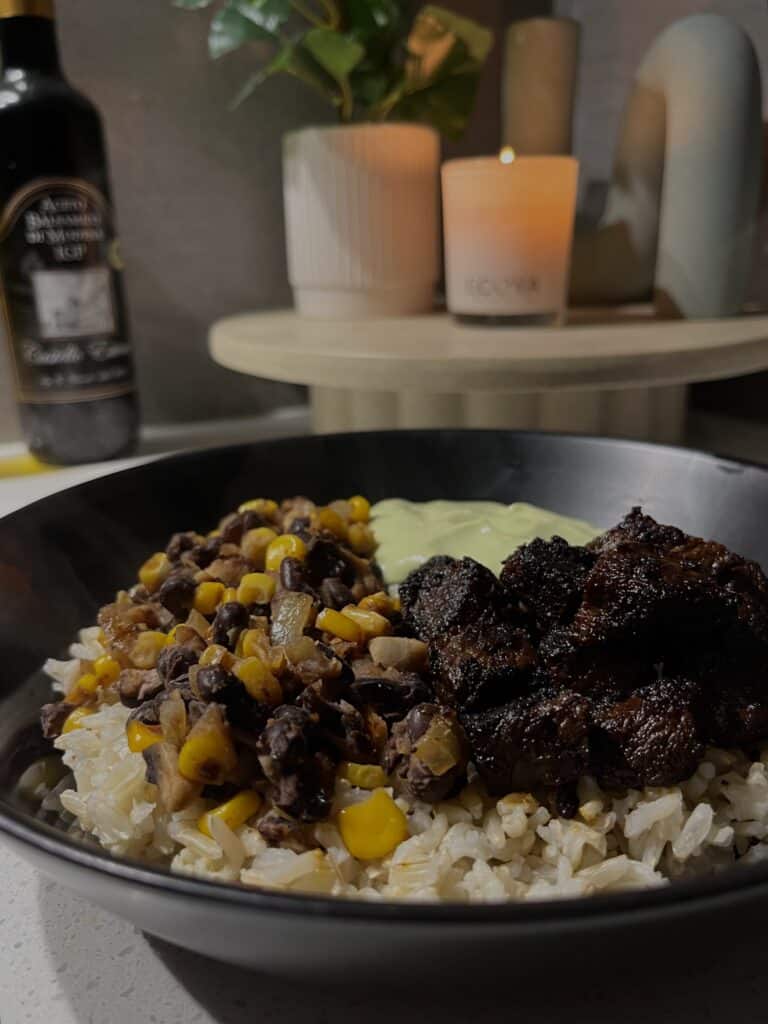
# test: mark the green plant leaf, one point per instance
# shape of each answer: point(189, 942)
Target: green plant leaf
point(445, 57)
point(230, 30)
point(337, 55)
point(476, 37)
point(289, 60)
point(369, 87)
point(446, 105)
point(270, 15)
point(192, 5)
point(366, 19)
point(334, 52)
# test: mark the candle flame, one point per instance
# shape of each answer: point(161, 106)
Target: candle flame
point(506, 155)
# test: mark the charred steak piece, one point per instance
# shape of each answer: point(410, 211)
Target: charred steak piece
point(546, 579)
point(622, 659)
point(531, 741)
point(447, 594)
point(478, 653)
point(650, 738)
point(487, 663)
point(692, 608)
point(638, 528)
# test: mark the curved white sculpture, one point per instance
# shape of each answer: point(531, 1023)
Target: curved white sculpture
point(681, 208)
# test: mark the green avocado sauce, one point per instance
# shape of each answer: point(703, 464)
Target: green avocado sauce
point(410, 532)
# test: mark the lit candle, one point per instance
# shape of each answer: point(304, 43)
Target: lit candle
point(508, 226)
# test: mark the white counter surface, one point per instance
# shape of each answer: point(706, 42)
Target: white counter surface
point(63, 961)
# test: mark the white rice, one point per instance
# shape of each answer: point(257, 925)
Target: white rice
point(471, 849)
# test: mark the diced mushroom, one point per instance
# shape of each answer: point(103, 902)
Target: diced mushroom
point(173, 719)
point(229, 571)
point(399, 652)
point(53, 716)
point(136, 685)
point(173, 790)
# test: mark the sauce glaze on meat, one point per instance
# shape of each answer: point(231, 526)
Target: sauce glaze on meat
point(621, 659)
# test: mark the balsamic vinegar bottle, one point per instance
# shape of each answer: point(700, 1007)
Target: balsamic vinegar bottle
point(62, 299)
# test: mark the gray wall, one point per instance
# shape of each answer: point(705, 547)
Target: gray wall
point(614, 36)
point(198, 189)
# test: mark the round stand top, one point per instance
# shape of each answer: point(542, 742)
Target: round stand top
point(436, 354)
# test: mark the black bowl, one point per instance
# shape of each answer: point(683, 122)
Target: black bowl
point(65, 555)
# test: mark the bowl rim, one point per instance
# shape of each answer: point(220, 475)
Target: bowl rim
point(704, 892)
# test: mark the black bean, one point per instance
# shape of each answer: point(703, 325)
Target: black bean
point(212, 681)
point(325, 559)
point(230, 619)
point(334, 593)
point(387, 695)
point(207, 552)
point(231, 529)
point(293, 576)
point(147, 713)
point(177, 594)
point(175, 661)
point(178, 544)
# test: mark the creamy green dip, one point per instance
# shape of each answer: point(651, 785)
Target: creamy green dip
point(410, 532)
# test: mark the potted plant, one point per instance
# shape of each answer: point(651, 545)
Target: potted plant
point(361, 197)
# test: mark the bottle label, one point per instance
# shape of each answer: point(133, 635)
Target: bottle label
point(62, 296)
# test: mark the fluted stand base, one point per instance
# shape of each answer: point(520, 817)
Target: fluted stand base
point(651, 414)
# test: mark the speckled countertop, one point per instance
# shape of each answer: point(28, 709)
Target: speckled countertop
point(63, 961)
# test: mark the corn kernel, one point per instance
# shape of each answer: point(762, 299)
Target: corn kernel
point(230, 594)
point(365, 776)
point(251, 643)
point(141, 736)
point(361, 539)
point(214, 654)
point(373, 828)
point(259, 681)
point(340, 625)
point(379, 602)
point(397, 604)
point(154, 571)
point(255, 543)
point(208, 596)
point(85, 687)
point(256, 588)
point(170, 637)
point(208, 754)
point(234, 812)
point(330, 520)
point(147, 647)
point(106, 669)
point(359, 509)
point(287, 545)
point(74, 719)
point(371, 623)
point(261, 506)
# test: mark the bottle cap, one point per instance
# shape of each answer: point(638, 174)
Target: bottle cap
point(26, 8)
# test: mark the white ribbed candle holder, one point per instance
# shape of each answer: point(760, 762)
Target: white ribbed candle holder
point(361, 207)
